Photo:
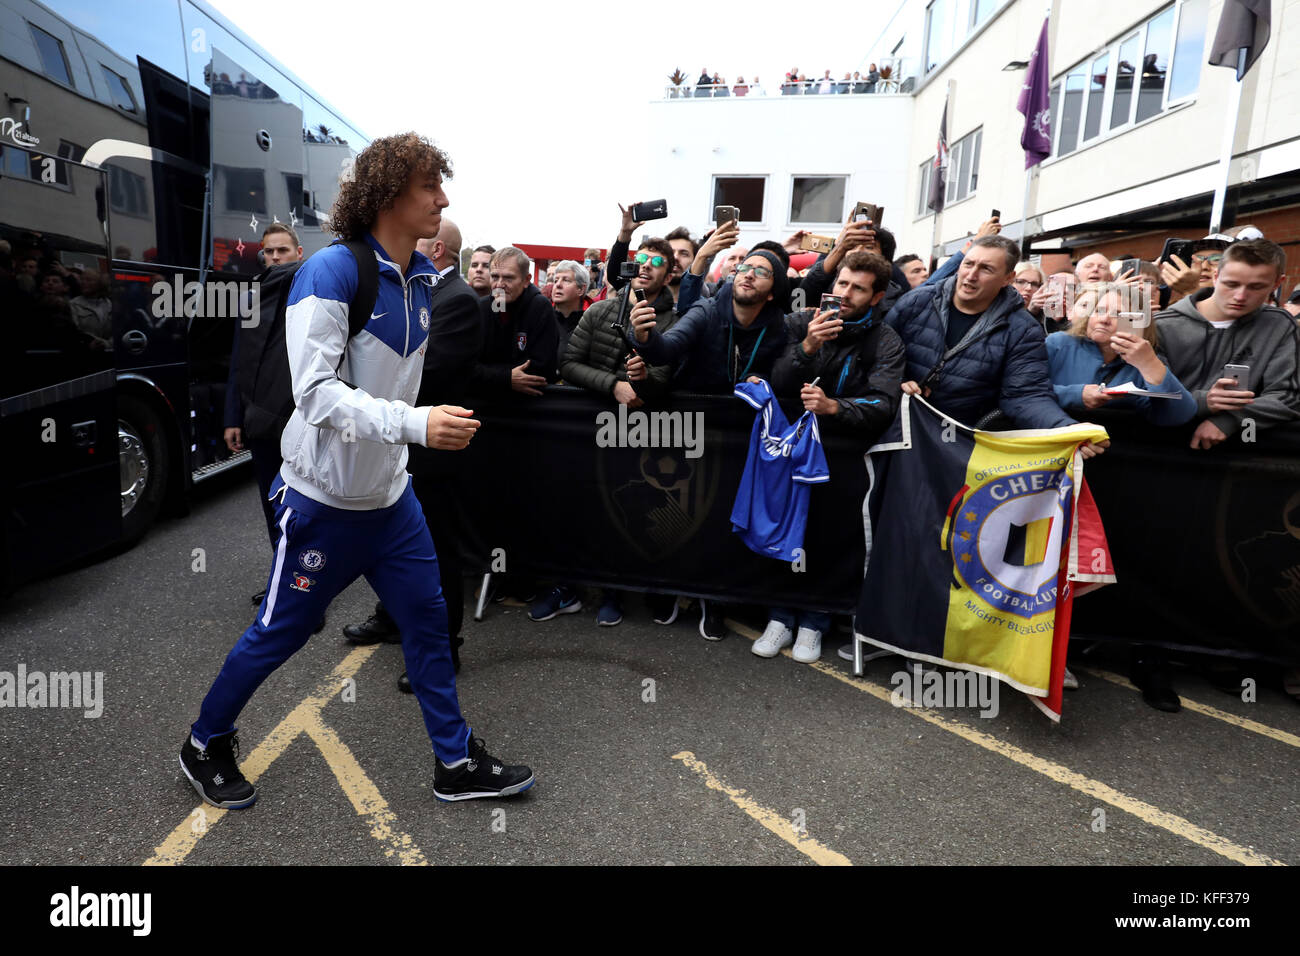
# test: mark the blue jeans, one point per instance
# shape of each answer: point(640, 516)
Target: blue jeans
point(794, 619)
point(319, 551)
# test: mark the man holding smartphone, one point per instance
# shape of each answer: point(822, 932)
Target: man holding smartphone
point(1237, 355)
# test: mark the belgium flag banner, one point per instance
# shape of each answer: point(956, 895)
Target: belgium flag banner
point(972, 547)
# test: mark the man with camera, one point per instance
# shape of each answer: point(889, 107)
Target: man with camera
point(719, 342)
point(599, 359)
point(521, 337)
point(1237, 355)
point(846, 366)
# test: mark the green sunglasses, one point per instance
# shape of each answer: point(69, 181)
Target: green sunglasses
point(642, 258)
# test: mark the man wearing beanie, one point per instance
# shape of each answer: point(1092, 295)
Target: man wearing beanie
point(723, 340)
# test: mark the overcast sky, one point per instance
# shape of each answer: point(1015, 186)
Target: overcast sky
point(539, 111)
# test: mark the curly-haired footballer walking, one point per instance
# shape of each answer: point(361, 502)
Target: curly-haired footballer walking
point(344, 504)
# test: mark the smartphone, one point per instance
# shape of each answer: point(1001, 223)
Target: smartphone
point(868, 211)
point(1239, 372)
point(1126, 322)
point(829, 303)
point(1131, 266)
point(1057, 305)
point(645, 211)
point(997, 213)
point(723, 214)
point(815, 243)
point(1182, 248)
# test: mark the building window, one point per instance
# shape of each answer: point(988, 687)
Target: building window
point(1189, 44)
point(53, 60)
point(1071, 110)
point(817, 199)
point(245, 188)
point(923, 199)
point(127, 192)
point(939, 23)
point(1121, 110)
point(743, 192)
point(1097, 78)
point(963, 167)
point(68, 151)
point(1158, 64)
point(118, 90)
point(1155, 65)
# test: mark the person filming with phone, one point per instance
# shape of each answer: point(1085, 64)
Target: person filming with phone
point(1107, 347)
point(1238, 355)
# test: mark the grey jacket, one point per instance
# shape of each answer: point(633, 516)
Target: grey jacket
point(1267, 340)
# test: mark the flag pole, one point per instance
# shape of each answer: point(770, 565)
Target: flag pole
point(1229, 138)
point(1024, 218)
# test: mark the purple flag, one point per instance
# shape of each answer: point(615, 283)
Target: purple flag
point(1035, 104)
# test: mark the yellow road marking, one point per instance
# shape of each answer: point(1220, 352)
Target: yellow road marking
point(1245, 723)
point(1054, 771)
point(819, 854)
point(363, 793)
point(305, 718)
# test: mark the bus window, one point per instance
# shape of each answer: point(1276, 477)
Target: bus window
point(257, 153)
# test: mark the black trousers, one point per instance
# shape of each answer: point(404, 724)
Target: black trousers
point(266, 463)
point(437, 497)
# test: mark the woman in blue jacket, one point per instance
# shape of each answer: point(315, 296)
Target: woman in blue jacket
point(1093, 356)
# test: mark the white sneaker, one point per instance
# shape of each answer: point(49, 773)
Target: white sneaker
point(1071, 682)
point(775, 638)
point(808, 646)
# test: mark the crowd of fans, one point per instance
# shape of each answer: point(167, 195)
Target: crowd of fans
point(795, 83)
point(987, 339)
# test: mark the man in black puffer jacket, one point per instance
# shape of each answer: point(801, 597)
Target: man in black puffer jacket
point(972, 348)
point(725, 339)
point(597, 355)
point(858, 358)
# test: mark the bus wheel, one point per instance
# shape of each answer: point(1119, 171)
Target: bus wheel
point(142, 464)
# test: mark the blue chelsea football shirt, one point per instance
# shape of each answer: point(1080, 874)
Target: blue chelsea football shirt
point(771, 507)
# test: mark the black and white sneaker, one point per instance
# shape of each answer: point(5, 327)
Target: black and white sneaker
point(712, 627)
point(663, 608)
point(482, 775)
point(215, 774)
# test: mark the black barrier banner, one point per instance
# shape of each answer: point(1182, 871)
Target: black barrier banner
point(569, 488)
point(565, 487)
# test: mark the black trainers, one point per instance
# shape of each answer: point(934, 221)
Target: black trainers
point(482, 775)
point(215, 774)
point(711, 626)
point(663, 607)
point(259, 597)
point(374, 629)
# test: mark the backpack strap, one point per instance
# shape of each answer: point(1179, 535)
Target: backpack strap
point(367, 294)
point(363, 303)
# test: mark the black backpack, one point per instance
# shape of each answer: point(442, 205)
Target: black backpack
point(265, 386)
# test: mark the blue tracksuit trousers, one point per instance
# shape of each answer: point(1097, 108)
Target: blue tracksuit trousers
point(319, 551)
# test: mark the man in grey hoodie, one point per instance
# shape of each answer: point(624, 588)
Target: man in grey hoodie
point(1232, 324)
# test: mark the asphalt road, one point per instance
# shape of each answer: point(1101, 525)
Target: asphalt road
point(731, 760)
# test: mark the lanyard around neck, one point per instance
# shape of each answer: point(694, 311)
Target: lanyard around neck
point(732, 358)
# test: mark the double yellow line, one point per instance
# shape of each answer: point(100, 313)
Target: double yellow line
point(360, 789)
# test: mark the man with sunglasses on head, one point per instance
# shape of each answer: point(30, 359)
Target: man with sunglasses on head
point(600, 359)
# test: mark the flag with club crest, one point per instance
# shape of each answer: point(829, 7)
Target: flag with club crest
point(1035, 104)
point(978, 543)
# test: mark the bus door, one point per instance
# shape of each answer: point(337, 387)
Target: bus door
point(61, 479)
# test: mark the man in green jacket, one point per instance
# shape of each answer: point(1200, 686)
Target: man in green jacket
point(599, 359)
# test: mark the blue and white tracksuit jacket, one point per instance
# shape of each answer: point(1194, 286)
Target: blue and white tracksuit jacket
point(345, 507)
